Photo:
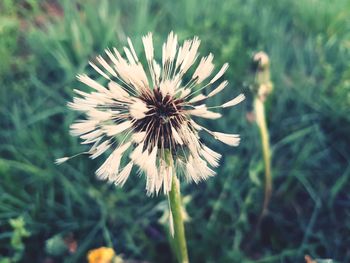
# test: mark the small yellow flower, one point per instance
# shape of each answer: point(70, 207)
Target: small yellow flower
point(101, 255)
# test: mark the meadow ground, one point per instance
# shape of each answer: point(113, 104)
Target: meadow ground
point(44, 207)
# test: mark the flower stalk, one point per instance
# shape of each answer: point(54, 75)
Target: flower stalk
point(262, 88)
point(176, 216)
point(179, 238)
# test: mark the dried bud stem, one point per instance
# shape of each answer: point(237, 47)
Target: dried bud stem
point(263, 87)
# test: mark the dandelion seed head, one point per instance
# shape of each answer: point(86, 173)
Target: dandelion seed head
point(145, 117)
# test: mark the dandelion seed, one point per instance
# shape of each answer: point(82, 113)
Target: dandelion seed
point(146, 122)
point(61, 160)
point(234, 101)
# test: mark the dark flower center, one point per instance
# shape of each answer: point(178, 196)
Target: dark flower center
point(164, 113)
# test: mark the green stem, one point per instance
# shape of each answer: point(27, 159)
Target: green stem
point(264, 134)
point(179, 239)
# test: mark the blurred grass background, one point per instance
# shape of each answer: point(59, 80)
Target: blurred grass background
point(44, 44)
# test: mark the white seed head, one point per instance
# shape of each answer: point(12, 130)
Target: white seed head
point(145, 120)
